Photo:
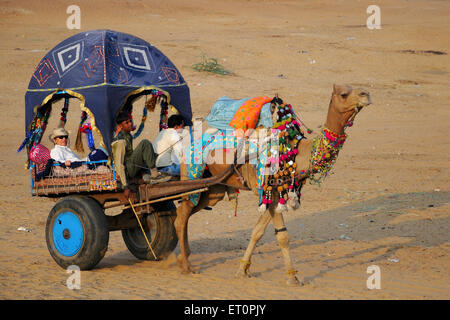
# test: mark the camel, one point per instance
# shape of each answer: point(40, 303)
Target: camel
point(345, 103)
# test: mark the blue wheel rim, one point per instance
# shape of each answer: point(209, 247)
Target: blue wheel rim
point(67, 233)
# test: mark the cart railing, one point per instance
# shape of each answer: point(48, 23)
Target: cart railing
point(82, 179)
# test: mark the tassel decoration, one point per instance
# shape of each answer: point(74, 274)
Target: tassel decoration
point(288, 130)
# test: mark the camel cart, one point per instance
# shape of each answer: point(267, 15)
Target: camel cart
point(105, 72)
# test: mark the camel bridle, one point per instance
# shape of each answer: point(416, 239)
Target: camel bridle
point(357, 109)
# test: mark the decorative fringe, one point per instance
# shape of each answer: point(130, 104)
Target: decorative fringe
point(294, 201)
point(25, 142)
point(141, 126)
point(262, 208)
point(151, 103)
point(37, 128)
point(63, 118)
point(90, 139)
point(281, 207)
point(163, 117)
point(287, 130)
point(79, 142)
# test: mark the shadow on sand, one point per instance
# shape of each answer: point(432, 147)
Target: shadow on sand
point(372, 215)
point(367, 220)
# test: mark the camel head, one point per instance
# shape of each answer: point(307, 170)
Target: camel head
point(345, 103)
point(345, 98)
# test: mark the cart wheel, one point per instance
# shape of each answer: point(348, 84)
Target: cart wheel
point(77, 232)
point(160, 233)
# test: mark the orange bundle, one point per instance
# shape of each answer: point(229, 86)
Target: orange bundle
point(247, 116)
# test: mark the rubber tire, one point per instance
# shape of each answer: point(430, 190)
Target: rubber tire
point(95, 232)
point(163, 240)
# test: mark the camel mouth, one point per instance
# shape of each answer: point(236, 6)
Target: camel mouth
point(365, 99)
point(366, 103)
point(362, 104)
point(359, 106)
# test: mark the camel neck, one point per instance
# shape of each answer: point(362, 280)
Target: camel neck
point(336, 121)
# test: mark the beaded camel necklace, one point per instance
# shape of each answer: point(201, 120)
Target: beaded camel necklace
point(325, 150)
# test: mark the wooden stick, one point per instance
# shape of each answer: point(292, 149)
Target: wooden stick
point(159, 200)
point(143, 231)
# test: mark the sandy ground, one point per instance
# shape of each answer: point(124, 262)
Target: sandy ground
point(387, 203)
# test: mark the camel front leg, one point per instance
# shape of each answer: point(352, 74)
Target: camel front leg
point(283, 240)
point(181, 227)
point(257, 233)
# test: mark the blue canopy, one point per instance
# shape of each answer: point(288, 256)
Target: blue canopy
point(102, 68)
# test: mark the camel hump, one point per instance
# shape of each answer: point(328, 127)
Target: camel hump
point(224, 110)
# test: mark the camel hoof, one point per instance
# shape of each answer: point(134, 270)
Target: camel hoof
point(242, 274)
point(185, 266)
point(294, 282)
point(189, 271)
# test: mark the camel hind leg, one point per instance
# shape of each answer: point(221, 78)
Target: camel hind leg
point(257, 233)
point(184, 211)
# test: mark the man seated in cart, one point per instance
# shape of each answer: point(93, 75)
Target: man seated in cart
point(169, 147)
point(128, 162)
point(61, 151)
point(63, 154)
